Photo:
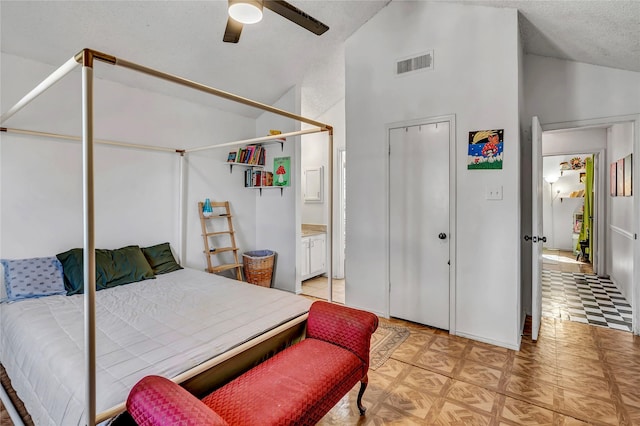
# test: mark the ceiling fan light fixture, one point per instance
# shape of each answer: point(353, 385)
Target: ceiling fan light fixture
point(246, 11)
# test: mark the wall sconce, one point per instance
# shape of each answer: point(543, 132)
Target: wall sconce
point(246, 11)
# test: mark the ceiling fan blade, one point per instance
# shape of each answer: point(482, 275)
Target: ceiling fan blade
point(232, 32)
point(295, 15)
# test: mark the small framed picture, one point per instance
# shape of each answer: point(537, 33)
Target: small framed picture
point(613, 185)
point(620, 178)
point(232, 157)
point(282, 171)
point(628, 176)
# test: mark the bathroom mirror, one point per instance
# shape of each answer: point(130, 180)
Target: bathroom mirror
point(313, 185)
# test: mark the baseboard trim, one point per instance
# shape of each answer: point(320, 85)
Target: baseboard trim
point(515, 347)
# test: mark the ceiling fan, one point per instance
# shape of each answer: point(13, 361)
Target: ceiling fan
point(250, 11)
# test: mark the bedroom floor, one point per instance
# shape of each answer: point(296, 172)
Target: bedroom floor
point(575, 374)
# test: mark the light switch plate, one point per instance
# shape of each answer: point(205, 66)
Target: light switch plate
point(493, 192)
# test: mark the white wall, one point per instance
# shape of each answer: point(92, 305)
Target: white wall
point(278, 216)
point(621, 221)
point(574, 141)
point(558, 90)
point(136, 191)
point(315, 154)
point(476, 78)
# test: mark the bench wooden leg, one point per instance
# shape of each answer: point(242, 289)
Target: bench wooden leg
point(363, 386)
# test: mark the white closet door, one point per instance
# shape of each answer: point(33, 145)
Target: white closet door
point(419, 223)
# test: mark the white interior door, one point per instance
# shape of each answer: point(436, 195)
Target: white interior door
point(536, 227)
point(419, 223)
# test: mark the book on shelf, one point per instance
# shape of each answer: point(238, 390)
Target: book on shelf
point(251, 155)
point(267, 179)
point(261, 178)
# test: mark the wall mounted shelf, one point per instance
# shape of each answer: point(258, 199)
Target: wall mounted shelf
point(268, 187)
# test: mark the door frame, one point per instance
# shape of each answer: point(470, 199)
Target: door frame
point(340, 256)
point(451, 119)
point(635, 118)
point(600, 205)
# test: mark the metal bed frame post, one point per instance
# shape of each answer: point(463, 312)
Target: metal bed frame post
point(86, 58)
point(89, 238)
point(56, 76)
point(181, 212)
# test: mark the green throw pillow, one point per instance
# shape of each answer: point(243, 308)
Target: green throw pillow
point(113, 268)
point(161, 258)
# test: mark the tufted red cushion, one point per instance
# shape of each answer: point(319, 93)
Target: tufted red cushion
point(343, 326)
point(300, 391)
point(158, 401)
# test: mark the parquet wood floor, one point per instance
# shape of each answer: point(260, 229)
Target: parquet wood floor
point(575, 374)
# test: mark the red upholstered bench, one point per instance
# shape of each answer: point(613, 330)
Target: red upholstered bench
point(297, 386)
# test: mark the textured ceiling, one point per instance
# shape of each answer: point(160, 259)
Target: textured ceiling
point(185, 38)
point(605, 33)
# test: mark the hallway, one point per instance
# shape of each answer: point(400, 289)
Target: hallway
point(570, 291)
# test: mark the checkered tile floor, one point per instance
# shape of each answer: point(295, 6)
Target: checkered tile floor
point(584, 298)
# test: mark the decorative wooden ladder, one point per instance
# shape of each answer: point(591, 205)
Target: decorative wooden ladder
point(210, 251)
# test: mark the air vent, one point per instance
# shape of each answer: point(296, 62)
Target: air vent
point(421, 62)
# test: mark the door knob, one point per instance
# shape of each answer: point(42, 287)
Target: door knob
point(442, 235)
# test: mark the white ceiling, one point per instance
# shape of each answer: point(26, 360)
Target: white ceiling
point(185, 38)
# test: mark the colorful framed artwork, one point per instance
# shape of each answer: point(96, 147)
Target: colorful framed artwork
point(485, 149)
point(620, 177)
point(282, 171)
point(628, 176)
point(613, 185)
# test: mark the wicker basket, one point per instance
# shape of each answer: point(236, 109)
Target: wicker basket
point(258, 267)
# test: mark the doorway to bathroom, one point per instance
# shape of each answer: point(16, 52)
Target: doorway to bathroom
point(318, 286)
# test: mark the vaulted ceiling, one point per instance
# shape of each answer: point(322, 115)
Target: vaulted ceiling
point(185, 38)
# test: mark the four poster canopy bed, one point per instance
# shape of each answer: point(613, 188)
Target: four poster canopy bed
point(198, 329)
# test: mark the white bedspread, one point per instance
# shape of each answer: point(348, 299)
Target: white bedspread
point(162, 326)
